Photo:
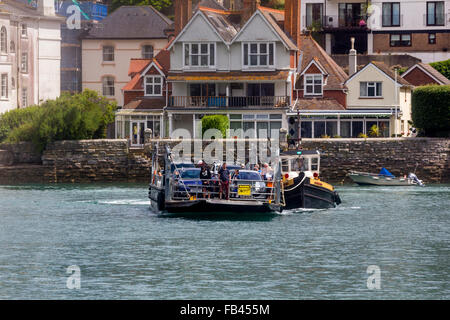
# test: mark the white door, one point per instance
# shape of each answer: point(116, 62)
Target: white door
point(137, 133)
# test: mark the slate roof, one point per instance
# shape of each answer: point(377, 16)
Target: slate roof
point(147, 104)
point(430, 71)
point(311, 50)
point(132, 22)
point(385, 68)
point(318, 104)
point(209, 4)
point(229, 23)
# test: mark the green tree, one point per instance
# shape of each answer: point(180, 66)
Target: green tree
point(219, 122)
point(431, 110)
point(69, 117)
point(157, 4)
point(443, 67)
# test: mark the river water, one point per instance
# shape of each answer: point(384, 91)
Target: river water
point(124, 251)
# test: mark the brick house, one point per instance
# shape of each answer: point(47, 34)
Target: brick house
point(145, 97)
point(422, 74)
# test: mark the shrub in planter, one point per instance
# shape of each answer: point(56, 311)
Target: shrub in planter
point(374, 131)
point(431, 110)
point(219, 122)
point(362, 135)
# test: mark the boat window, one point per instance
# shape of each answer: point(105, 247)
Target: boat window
point(314, 164)
point(285, 165)
point(299, 164)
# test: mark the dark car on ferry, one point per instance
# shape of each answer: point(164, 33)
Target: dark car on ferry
point(187, 181)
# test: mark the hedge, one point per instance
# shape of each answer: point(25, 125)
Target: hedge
point(69, 117)
point(443, 67)
point(219, 122)
point(431, 110)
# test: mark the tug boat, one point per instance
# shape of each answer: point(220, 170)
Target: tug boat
point(302, 187)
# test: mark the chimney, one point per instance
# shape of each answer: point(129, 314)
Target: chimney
point(46, 7)
point(183, 13)
point(249, 8)
point(352, 62)
point(292, 22)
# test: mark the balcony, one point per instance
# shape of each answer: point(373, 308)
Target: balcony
point(229, 102)
point(354, 22)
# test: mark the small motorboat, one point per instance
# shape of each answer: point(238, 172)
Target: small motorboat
point(384, 178)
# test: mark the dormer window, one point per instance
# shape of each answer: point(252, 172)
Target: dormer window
point(313, 84)
point(256, 54)
point(153, 85)
point(199, 54)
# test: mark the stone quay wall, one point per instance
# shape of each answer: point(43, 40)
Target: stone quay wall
point(113, 161)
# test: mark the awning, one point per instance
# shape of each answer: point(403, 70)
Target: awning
point(354, 112)
point(234, 76)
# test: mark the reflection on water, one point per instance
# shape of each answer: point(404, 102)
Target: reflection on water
point(126, 251)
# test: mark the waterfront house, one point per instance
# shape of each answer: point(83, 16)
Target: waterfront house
point(422, 74)
point(30, 53)
point(377, 90)
point(320, 94)
point(129, 32)
point(416, 27)
point(145, 97)
point(238, 63)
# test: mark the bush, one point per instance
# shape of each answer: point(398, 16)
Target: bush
point(443, 67)
point(15, 118)
point(69, 117)
point(431, 110)
point(219, 122)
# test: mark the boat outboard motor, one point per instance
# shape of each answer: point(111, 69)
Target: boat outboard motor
point(414, 178)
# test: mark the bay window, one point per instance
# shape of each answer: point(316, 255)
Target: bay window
point(153, 85)
point(199, 54)
point(370, 89)
point(313, 84)
point(258, 54)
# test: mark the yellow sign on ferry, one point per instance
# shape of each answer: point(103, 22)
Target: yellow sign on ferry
point(244, 190)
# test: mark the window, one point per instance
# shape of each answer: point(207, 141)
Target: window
point(24, 62)
point(314, 12)
point(23, 30)
point(432, 38)
point(153, 86)
point(391, 14)
point(199, 54)
point(3, 40)
point(24, 97)
point(108, 86)
point(4, 84)
point(258, 54)
point(370, 90)
point(12, 47)
point(400, 40)
point(147, 52)
point(435, 13)
point(313, 84)
point(108, 53)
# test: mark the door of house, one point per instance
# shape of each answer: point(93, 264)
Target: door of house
point(137, 133)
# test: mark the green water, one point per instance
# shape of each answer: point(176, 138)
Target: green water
point(125, 251)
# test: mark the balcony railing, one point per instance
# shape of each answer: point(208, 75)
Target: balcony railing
point(359, 21)
point(229, 102)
